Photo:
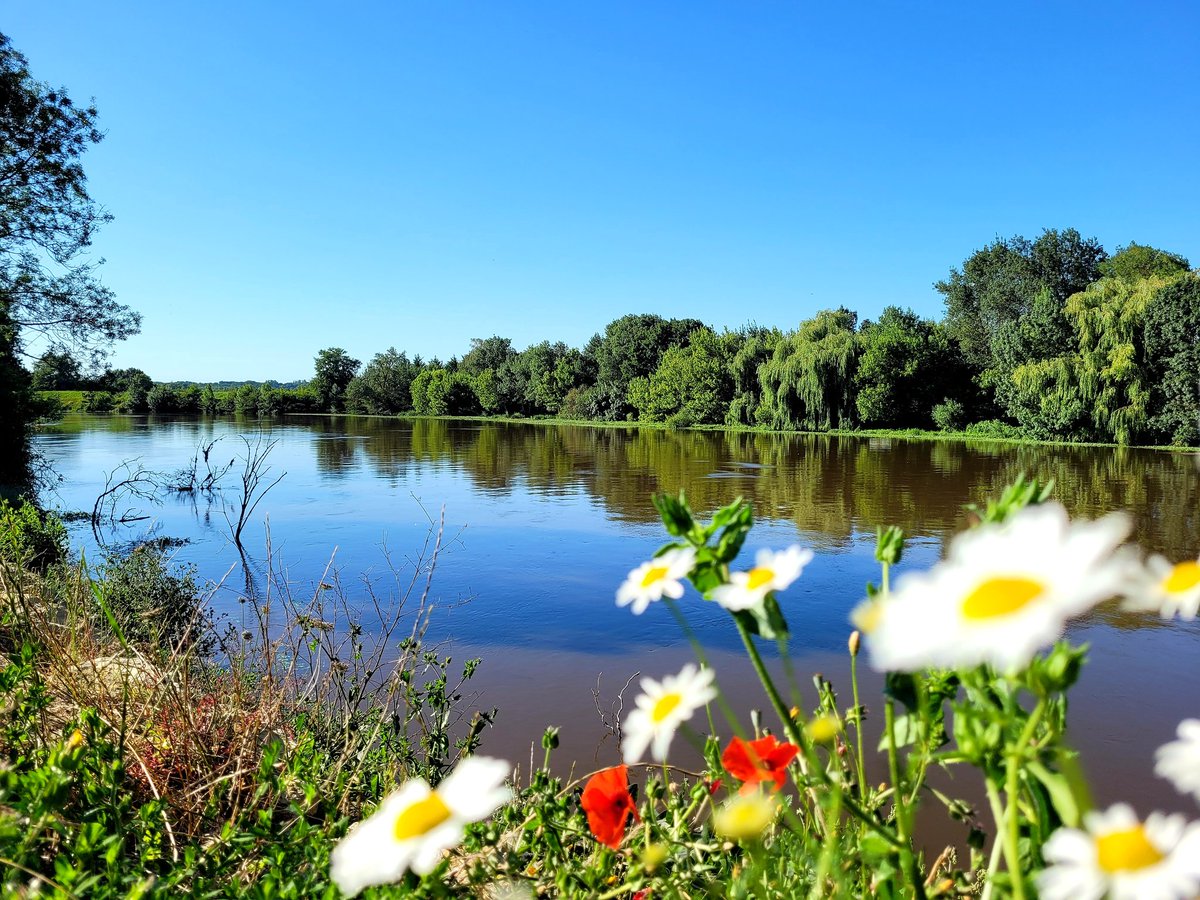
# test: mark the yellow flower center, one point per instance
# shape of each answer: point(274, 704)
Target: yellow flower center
point(759, 576)
point(664, 707)
point(421, 818)
point(1002, 596)
point(653, 574)
point(1182, 577)
point(1122, 851)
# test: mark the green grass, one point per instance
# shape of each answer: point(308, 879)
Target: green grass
point(72, 400)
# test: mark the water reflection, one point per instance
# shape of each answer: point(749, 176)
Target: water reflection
point(828, 487)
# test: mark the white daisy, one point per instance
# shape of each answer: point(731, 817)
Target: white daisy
point(661, 708)
point(1170, 590)
point(1003, 593)
point(416, 824)
point(662, 576)
point(772, 572)
point(1118, 856)
point(1179, 761)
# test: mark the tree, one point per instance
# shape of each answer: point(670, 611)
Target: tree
point(691, 386)
point(1140, 261)
point(908, 365)
point(56, 372)
point(47, 219)
point(808, 383)
point(998, 285)
point(385, 386)
point(335, 369)
point(1172, 346)
point(632, 347)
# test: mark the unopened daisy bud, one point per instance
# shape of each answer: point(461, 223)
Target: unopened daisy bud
point(822, 729)
point(855, 642)
point(744, 817)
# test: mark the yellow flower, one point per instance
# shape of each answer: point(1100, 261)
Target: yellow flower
point(416, 824)
point(822, 729)
point(744, 817)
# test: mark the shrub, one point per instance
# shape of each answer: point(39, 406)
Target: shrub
point(994, 428)
point(30, 538)
point(949, 415)
point(98, 402)
point(154, 607)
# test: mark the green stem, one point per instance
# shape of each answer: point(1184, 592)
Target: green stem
point(858, 738)
point(908, 860)
point(698, 649)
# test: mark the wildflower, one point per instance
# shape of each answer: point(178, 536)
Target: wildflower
point(608, 804)
point(1003, 593)
point(823, 729)
point(654, 856)
point(744, 817)
point(416, 824)
point(755, 762)
point(1126, 859)
point(1170, 590)
point(661, 576)
point(772, 572)
point(1179, 761)
point(75, 740)
point(661, 708)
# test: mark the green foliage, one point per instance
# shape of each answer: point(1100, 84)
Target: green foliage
point(1136, 261)
point(56, 372)
point(632, 347)
point(153, 607)
point(691, 385)
point(752, 347)
point(334, 370)
point(30, 538)
point(1172, 348)
point(997, 285)
point(1109, 318)
point(808, 383)
point(439, 392)
point(949, 415)
point(385, 385)
point(98, 402)
point(907, 364)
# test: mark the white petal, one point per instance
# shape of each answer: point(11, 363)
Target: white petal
point(476, 789)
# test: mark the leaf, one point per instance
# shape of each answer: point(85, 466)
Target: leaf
point(766, 620)
point(1061, 794)
point(909, 730)
point(676, 516)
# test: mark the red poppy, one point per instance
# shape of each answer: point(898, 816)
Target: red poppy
point(758, 761)
point(608, 804)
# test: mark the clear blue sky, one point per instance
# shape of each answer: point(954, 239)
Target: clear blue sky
point(291, 176)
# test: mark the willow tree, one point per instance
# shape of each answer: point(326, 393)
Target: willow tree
point(1114, 381)
point(752, 346)
point(808, 383)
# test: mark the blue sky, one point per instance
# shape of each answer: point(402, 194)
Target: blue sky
point(291, 176)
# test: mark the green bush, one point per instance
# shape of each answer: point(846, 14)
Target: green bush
point(994, 428)
point(153, 607)
point(98, 402)
point(949, 415)
point(29, 537)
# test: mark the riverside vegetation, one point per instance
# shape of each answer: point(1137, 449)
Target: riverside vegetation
point(138, 764)
point(1049, 339)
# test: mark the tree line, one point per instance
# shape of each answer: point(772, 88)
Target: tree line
point(1050, 339)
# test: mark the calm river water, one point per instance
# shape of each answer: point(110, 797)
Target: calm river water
point(544, 521)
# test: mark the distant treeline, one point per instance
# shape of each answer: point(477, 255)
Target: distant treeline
point(1051, 339)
